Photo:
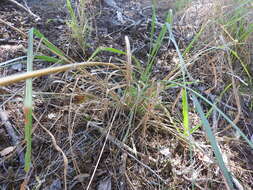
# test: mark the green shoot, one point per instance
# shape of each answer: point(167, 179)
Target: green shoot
point(185, 113)
point(145, 76)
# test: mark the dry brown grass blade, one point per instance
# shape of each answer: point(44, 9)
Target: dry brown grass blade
point(14, 28)
point(129, 62)
point(71, 129)
point(102, 150)
point(104, 86)
point(175, 103)
point(42, 72)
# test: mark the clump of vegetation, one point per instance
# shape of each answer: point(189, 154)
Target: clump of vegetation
point(79, 23)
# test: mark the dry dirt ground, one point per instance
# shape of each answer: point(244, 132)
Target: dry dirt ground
point(154, 159)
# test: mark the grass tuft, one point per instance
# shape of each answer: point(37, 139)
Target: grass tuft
point(79, 23)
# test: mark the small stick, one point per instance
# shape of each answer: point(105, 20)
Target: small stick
point(65, 159)
point(14, 138)
point(14, 28)
point(27, 9)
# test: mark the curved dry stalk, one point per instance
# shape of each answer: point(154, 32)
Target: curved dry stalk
point(65, 159)
point(42, 72)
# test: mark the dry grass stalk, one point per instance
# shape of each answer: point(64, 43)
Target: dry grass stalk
point(42, 72)
point(65, 159)
point(103, 147)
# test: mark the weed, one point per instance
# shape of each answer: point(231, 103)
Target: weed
point(79, 23)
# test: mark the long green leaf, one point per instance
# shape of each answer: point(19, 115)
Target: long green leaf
point(101, 49)
point(116, 51)
point(28, 103)
point(185, 113)
point(47, 58)
point(213, 142)
point(71, 11)
point(152, 32)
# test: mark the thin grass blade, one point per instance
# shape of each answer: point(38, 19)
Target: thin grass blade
point(52, 47)
point(116, 51)
point(28, 104)
point(185, 113)
point(145, 76)
point(213, 142)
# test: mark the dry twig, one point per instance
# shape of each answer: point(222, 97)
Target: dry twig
point(26, 8)
point(14, 28)
point(65, 159)
point(15, 139)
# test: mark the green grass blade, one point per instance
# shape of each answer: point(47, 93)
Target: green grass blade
point(213, 142)
point(211, 109)
point(71, 11)
point(47, 58)
point(185, 113)
point(28, 104)
point(145, 76)
point(218, 110)
point(52, 47)
point(181, 60)
point(101, 49)
point(158, 42)
point(116, 51)
point(234, 53)
point(196, 37)
point(152, 32)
